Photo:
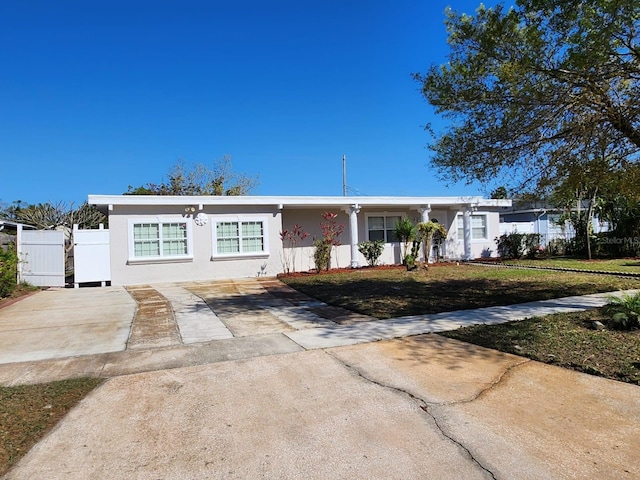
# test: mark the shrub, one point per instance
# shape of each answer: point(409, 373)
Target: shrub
point(624, 311)
point(322, 254)
point(290, 240)
point(331, 231)
point(371, 251)
point(515, 245)
point(510, 245)
point(557, 247)
point(8, 270)
point(532, 244)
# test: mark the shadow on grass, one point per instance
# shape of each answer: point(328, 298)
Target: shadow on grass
point(401, 297)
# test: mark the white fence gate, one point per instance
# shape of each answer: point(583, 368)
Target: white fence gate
point(91, 256)
point(42, 257)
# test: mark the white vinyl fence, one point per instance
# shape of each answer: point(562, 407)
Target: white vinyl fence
point(91, 256)
point(42, 257)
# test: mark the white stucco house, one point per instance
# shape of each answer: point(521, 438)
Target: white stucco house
point(165, 238)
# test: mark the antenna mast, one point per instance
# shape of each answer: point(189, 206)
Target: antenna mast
point(344, 175)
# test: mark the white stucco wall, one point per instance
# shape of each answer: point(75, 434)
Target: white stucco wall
point(309, 220)
point(203, 266)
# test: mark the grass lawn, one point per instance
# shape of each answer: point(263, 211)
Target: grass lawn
point(564, 339)
point(628, 265)
point(395, 293)
point(27, 412)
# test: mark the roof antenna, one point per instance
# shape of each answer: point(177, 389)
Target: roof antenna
point(344, 175)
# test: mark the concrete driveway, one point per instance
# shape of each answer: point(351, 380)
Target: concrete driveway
point(203, 397)
point(60, 323)
point(421, 407)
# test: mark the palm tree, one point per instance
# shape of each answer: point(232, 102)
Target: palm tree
point(406, 232)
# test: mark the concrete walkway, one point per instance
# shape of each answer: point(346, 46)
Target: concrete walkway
point(312, 397)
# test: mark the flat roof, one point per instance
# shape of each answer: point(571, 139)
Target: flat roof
point(295, 201)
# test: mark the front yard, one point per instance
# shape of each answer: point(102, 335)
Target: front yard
point(565, 340)
point(625, 265)
point(388, 293)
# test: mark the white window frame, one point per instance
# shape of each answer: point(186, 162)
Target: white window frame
point(160, 220)
point(239, 219)
point(460, 227)
point(385, 215)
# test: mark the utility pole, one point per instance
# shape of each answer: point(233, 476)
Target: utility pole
point(344, 175)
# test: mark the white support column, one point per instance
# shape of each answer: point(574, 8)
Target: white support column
point(353, 234)
point(466, 223)
point(424, 213)
point(424, 218)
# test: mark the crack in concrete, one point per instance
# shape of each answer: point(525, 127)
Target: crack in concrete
point(424, 406)
point(485, 390)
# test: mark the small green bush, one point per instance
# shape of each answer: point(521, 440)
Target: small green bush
point(532, 244)
point(510, 245)
point(8, 270)
point(322, 254)
point(371, 251)
point(515, 245)
point(624, 311)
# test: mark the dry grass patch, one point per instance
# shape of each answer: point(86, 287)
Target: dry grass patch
point(28, 412)
point(393, 293)
point(566, 340)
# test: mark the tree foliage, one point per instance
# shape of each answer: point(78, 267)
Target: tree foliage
point(536, 90)
point(53, 215)
point(200, 179)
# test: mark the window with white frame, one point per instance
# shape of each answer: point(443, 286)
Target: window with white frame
point(235, 236)
point(381, 227)
point(460, 225)
point(478, 227)
point(159, 239)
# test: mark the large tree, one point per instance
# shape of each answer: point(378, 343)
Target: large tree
point(533, 92)
point(200, 179)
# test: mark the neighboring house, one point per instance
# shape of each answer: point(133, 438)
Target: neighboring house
point(543, 219)
point(165, 238)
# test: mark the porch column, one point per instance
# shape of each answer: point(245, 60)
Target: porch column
point(466, 224)
point(424, 213)
point(353, 234)
point(424, 218)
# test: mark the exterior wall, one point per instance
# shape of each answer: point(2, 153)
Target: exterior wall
point(203, 266)
point(309, 220)
point(480, 248)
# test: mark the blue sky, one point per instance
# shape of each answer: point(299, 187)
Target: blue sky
point(99, 95)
